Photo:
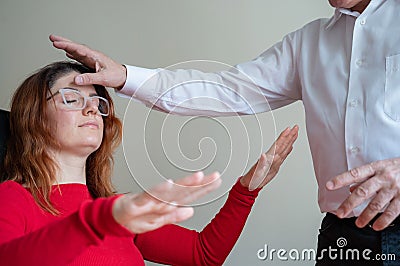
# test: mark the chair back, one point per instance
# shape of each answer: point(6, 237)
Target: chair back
point(4, 132)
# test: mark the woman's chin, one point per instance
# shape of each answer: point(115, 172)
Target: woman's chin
point(90, 146)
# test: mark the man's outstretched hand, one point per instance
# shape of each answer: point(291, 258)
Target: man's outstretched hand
point(108, 72)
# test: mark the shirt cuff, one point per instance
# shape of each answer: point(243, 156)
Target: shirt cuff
point(135, 78)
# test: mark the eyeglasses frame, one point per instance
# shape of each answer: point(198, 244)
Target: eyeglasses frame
point(85, 99)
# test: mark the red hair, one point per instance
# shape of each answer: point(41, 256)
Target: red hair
point(27, 159)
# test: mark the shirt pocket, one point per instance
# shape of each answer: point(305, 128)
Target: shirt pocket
point(392, 88)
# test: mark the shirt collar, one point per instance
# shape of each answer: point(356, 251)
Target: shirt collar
point(339, 12)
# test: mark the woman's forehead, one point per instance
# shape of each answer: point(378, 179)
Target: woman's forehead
point(67, 81)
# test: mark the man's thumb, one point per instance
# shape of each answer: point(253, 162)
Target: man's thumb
point(88, 79)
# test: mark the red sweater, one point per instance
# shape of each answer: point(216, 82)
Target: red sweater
point(85, 233)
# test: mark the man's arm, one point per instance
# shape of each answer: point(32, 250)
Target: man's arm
point(268, 82)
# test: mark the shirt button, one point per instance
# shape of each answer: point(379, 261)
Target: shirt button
point(362, 22)
point(359, 62)
point(353, 103)
point(354, 149)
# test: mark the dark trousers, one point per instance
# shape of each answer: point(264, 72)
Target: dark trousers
point(341, 242)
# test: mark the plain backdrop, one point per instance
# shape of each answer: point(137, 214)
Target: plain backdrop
point(160, 33)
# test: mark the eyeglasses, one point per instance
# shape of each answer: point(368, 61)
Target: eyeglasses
point(75, 100)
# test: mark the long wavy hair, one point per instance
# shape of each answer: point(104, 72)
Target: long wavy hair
point(28, 160)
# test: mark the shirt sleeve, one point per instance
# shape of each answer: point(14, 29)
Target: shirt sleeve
point(268, 82)
point(59, 242)
point(175, 245)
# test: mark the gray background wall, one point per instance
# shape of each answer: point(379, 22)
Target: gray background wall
point(156, 33)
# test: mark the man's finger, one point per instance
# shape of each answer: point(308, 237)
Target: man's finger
point(79, 52)
point(376, 205)
point(388, 216)
point(356, 175)
point(359, 195)
point(70, 56)
point(88, 79)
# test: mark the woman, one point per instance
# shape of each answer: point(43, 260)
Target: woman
point(57, 202)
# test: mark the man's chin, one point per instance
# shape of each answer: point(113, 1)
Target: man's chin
point(338, 3)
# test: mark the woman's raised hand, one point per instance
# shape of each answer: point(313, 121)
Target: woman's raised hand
point(164, 204)
point(269, 163)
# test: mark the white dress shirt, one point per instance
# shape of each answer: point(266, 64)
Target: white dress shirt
point(346, 71)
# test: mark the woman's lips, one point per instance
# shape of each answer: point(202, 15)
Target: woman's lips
point(91, 124)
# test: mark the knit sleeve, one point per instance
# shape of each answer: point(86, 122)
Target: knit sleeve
point(179, 246)
point(59, 242)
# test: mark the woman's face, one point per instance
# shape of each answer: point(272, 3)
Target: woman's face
point(79, 132)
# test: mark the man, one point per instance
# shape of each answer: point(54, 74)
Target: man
point(346, 70)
